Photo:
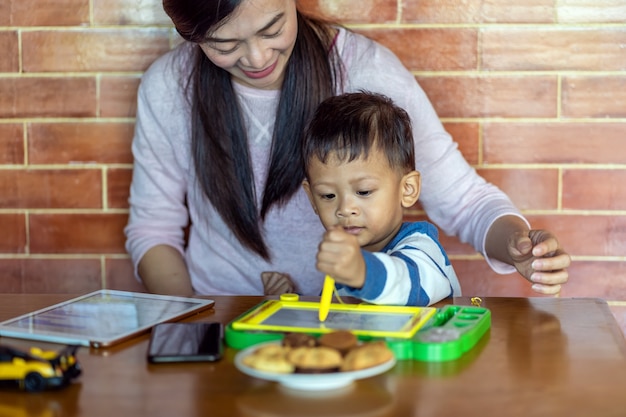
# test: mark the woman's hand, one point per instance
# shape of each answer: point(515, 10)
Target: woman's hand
point(538, 256)
point(277, 283)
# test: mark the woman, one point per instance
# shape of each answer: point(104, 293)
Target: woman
point(217, 150)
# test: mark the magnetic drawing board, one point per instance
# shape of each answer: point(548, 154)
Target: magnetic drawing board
point(361, 319)
point(450, 333)
point(101, 318)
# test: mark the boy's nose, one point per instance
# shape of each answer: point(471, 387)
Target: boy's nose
point(347, 208)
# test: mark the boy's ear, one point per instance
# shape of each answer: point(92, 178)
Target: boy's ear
point(307, 190)
point(411, 185)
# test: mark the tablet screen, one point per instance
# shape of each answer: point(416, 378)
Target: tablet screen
point(101, 318)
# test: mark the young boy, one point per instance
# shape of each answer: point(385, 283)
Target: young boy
point(360, 172)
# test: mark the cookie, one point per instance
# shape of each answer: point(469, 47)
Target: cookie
point(342, 340)
point(294, 340)
point(270, 358)
point(315, 360)
point(366, 356)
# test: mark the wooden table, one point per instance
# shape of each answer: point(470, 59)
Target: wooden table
point(542, 357)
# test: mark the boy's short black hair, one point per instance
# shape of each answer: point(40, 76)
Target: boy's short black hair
point(350, 124)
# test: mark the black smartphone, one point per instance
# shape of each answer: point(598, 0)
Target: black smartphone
point(186, 342)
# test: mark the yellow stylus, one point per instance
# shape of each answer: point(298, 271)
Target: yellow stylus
point(327, 296)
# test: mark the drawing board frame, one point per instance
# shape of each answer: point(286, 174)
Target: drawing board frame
point(362, 319)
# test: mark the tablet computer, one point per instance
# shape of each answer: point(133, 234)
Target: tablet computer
point(101, 318)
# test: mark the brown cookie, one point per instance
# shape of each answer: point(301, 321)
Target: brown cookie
point(294, 340)
point(270, 358)
point(342, 340)
point(366, 356)
point(315, 360)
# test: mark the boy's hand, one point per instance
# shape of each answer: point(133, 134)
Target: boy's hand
point(276, 283)
point(339, 255)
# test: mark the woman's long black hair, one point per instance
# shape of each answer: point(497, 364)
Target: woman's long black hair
point(219, 143)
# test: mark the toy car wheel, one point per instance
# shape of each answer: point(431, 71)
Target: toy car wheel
point(34, 382)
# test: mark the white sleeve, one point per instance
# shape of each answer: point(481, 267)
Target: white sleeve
point(157, 195)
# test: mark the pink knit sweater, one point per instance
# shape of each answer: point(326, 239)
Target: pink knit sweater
point(458, 200)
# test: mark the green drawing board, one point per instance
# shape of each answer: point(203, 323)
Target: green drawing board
point(439, 335)
point(453, 331)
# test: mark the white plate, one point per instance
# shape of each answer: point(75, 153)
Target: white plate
point(309, 382)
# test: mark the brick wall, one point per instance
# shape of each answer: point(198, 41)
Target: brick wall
point(534, 92)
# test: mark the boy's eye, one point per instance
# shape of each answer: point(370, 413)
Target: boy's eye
point(363, 193)
point(327, 196)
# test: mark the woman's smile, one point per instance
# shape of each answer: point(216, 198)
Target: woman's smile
point(262, 73)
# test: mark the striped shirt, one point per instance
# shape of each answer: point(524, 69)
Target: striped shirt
point(413, 269)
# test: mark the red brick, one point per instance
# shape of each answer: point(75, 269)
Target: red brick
point(118, 187)
point(430, 49)
point(11, 144)
point(120, 276)
point(493, 96)
point(591, 143)
point(118, 96)
point(588, 235)
point(479, 280)
point(594, 189)
point(129, 12)
point(466, 136)
point(93, 49)
point(594, 96)
point(10, 52)
point(567, 227)
point(602, 279)
point(578, 234)
point(477, 11)
point(532, 49)
point(47, 97)
point(50, 276)
point(73, 188)
point(352, 11)
point(11, 282)
point(77, 233)
point(529, 189)
point(44, 13)
point(591, 11)
point(80, 143)
point(13, 227)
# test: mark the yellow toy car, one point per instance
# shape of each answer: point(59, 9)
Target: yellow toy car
point(37, 369)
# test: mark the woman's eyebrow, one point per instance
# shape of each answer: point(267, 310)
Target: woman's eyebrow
point(263, 29)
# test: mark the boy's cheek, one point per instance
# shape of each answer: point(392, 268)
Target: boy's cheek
point(327, 221)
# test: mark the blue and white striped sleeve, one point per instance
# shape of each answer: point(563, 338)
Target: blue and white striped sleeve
point(413, 270)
